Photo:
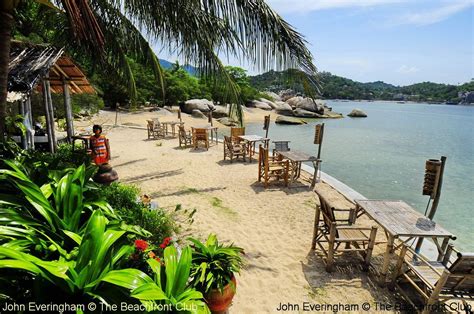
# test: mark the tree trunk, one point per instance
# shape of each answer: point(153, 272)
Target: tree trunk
point(6, 25)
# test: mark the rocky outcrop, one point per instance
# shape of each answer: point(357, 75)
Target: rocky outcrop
point(198, 114)
point(308, 104)
point(273, 96)
point(268, 102)
point(357, 113)
point(227, 122)
point(289, 120)
point(260, 105)
point(301, 113)
point(283, 108)
point(220, 112)
point(287, 94)
point(202, 105)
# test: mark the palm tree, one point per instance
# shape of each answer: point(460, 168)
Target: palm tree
point(196, 30)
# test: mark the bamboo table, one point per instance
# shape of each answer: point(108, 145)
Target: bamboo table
point(251, 141)
point(398, 220)
point(173, 126)
point(296, 158)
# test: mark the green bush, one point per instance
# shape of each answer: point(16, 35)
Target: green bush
point(125, 199)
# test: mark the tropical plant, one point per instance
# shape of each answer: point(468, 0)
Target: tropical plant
point(214, 264)
point(170, 286)
point(38, 216)
point(78, 276)
point(195, 30)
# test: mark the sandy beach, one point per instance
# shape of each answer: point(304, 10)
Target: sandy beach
point(273, 225)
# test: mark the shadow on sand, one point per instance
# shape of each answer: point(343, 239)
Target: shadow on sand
point(153, 175)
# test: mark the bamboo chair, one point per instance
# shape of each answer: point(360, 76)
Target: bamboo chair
point(184, 138)
point(336, 230)
point(271, 167)
point(448, 278)
point(236, 132)
point(155, 129)
point(233, 149)
point(200, 136)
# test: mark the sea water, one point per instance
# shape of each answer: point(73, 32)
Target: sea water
point(383, 156)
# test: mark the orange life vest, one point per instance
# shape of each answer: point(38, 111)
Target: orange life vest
point(99, 149)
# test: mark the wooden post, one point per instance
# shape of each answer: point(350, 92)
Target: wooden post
point(116, 113)
point(68, 111)
point(30, 138)
point(209, 117)
point(320, 140)
point(51, 113)
point(316, 226)
point(398, 269)
point(179, 115)
point(437, 195)
point(47, 115)
point(24, 139)
point(331, 243)
point(266, 125)
point(438, 190)
point(370, 247)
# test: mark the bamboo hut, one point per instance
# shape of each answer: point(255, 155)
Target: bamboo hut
point(47, 70)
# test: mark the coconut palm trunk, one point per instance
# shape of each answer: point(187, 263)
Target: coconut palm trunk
point(6, 25)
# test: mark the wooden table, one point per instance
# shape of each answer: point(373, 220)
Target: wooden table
point(398, 220)
point(296, 158)
point(173, 126)
point(212, 129)
point(251, 141)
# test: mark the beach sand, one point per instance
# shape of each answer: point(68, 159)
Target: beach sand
point(274, 225)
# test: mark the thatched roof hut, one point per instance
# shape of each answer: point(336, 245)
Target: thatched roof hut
point(32, 64)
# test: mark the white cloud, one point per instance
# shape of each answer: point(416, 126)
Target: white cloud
point(405, 69)
point(436, 15)
point(290, 6)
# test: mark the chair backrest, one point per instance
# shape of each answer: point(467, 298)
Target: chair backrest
point(149, 124)
point(328, 214)
point(263, 157)
point(461, 276)
point(281, 146)
point(228, 141)
point(235, 132)
point(200, 134)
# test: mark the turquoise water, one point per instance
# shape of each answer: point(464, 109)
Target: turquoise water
point(383, 156)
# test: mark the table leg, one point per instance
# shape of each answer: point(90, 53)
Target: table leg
point(444, 245)
point(386, 260)
point(315, 175)
point(173, 130)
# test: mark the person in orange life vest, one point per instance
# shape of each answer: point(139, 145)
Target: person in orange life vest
point(99, 146)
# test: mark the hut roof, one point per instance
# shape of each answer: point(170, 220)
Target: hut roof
point(29, 64)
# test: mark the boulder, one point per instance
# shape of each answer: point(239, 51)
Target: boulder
point(272, 95)
point(202, 105)
point(289, 120)
point(261, 105)
point(198, 114)
point(283, 108)
point(286, 94)
point(357, 113)
point(268, 102)
point(308, 104)
point(227, 122)
point(301, 113)
point(332, 115)
point(220, 112)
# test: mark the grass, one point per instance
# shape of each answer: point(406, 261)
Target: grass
point(316, 293)
point(310, 202)
point(217, 203)
point(159, 144)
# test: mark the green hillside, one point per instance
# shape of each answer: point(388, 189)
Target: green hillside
point(337, 87)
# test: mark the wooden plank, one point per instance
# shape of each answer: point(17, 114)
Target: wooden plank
point(399, 219)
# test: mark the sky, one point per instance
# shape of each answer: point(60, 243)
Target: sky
point(396, 41)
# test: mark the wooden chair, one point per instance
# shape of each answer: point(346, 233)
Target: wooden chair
point(233, 149)
point(333, 230)
point(200, 136)
point(184, 138)
point(269, 167)
point(155, 129)
point(236, 132)
point(448, 278)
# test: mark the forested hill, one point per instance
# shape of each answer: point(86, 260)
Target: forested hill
point(337, 87)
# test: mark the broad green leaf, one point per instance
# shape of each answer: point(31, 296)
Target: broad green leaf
point(149, 291)
point(126, 278)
